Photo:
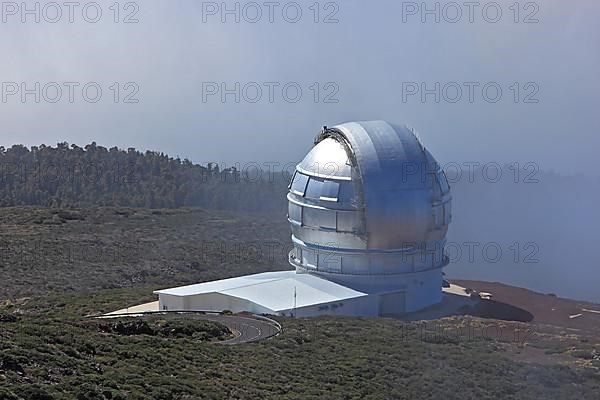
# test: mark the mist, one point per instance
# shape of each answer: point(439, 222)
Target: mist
point(352, 60)
point(367, 56)
point(529, 228)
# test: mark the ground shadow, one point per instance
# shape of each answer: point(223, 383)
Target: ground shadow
point(498, 310)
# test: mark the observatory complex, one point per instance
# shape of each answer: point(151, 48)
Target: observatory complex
point(369, 208)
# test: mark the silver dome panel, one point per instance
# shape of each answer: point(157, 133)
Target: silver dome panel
point(368, 199)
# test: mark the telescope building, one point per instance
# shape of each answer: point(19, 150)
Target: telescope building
point(369, 208)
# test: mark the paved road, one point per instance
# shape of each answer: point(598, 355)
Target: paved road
point(246, 329)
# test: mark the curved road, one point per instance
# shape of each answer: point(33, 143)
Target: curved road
point(245, 329)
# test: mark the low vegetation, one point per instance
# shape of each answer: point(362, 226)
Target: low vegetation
point(165, 326)
point(60, 266)
point(71, 250)
point(49, 350)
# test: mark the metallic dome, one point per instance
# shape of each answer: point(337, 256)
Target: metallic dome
point(369, 201)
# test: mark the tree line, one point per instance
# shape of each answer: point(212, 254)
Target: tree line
point(73, 176)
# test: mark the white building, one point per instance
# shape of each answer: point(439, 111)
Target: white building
point(369, 209)
point(279, 293)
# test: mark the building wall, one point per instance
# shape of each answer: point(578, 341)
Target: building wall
point(216, 302)
point(392, 304)
point(423, 290)
point(170, 303)
point(366, 306)
point(220, 302)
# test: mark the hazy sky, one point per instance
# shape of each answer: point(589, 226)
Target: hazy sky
point(370, 61)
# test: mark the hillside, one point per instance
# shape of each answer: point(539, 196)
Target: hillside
point(50, 351)
point(50, 250)
point(60, 265)
point(540, 220)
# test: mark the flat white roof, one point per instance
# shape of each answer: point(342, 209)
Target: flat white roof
point(224, 284)
point(273, 290)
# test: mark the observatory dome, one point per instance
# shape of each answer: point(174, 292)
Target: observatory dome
point(369, 209)
point(369, 204)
